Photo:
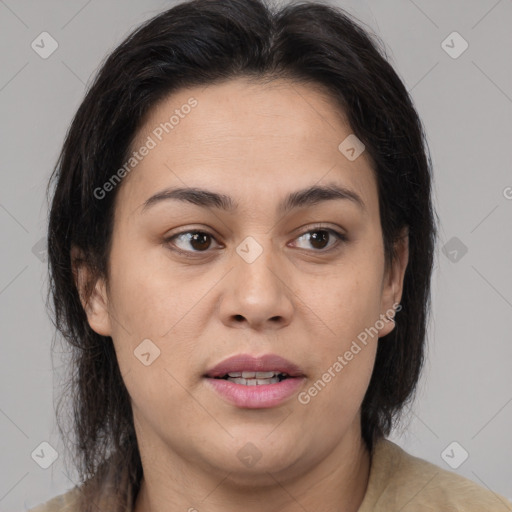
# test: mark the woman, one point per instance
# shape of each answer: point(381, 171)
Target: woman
point(241, 207)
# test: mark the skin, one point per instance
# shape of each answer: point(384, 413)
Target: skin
point(299, 299)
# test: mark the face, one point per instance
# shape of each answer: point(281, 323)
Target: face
point(264, 270)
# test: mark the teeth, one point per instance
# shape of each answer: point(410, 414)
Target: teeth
point(254, 375)
point(267, 381)
point(253, 382)
point(266, 375)
point(255, 378)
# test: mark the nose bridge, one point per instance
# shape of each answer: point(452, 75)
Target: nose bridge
point(255, 266)
point(256, 291)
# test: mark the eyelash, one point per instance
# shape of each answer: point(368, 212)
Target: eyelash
point(341, 238)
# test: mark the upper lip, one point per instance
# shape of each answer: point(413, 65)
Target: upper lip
point(249, 363)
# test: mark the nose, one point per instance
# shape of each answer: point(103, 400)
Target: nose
point(256, 293)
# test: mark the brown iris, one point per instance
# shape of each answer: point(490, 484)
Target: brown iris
point(323, 238)
point(200, 241)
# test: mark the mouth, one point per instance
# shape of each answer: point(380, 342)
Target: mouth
point(255, 378)
point(251, 369)
point(255, 382)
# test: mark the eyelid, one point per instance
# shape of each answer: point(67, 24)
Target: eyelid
point(340, 235)
point(168, 241)
point(320, 227)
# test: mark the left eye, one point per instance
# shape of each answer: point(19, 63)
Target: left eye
point(319, 238)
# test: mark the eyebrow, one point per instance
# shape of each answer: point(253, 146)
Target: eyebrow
point(298, 199)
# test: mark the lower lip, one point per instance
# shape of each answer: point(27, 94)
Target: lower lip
point(259, 396)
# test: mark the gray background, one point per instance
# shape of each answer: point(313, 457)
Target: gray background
point(465, 394)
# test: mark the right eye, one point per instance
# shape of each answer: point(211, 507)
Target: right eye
point(200, 241)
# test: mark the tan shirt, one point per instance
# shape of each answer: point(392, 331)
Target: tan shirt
point(398, 482)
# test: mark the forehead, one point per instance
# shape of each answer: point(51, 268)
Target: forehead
point(251, 138)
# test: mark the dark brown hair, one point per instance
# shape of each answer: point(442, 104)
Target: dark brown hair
point(203, 42)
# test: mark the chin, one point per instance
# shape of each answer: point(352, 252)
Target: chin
point(253, 461)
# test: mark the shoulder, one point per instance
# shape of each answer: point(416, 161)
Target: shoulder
point(400, 481)
point(108, 490)
point(67, 502)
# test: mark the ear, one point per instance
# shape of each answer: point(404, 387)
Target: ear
point(96, 303)
point(392, 285)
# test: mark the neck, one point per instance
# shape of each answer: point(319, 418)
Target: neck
point(336, 482)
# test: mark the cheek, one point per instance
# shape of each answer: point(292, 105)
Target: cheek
point(154, 351)
point(337, 387)
point(151, 330)
point(334, 394)
point(149, 296)
point(348, 313)
point(350, 302)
